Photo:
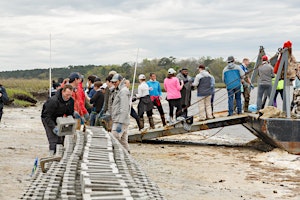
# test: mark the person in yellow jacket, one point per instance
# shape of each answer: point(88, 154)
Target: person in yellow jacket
point(279, 90)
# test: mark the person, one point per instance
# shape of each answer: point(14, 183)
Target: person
point(105, 113)
point(212, 91)
point(292, 63)
point(59, 105)
point(247, 85)
point(155, 96)
point(145, 103)
point(3, 99)
point(173, 86)
point(295, 104)
point(186, 91)
point(132, 111)
point(97, 101)
point(265, 74)
point(90, 84)
point(279, 90)
point(204, 83)
point(120, 110)
point(232, 76)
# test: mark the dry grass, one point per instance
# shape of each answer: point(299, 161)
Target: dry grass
point(28, 85)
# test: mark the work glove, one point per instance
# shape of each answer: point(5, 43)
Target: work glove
point(119, 128)
point(55, 130)
point(251, 86)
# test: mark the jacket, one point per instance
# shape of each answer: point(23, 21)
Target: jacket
point(186, 91)
point(156, 90)
point(265, 73)
point(172, 87)
point(232, 76)
point(4, 98)
point(121, 105)
point(97, 100)
point(204, 83)
point(56, 107)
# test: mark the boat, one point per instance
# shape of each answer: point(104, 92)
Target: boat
point(276, 131)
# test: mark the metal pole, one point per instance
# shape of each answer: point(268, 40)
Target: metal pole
point(134, 74)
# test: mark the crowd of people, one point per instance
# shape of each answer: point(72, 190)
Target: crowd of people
point(112, 99)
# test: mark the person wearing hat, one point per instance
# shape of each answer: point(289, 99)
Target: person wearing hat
point(97, 102)
point(145, 103)
point(173, 86)
point(155, 96)
point(80, 112)
point(233, 76)
point(59, 105)
point(292, 63)
point(265, 74)
point(204, 83)
point(186, 91)
point(120, 110)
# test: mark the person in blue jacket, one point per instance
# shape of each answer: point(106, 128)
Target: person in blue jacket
point(233, 76)
point(155, 96)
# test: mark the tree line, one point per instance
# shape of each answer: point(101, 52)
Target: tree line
point(159, 66)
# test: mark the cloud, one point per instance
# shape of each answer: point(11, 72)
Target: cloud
point(110, 32)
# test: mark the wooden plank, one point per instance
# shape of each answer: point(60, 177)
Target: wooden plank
point(136, 136)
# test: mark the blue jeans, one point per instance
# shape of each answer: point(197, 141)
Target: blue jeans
point(236, 93)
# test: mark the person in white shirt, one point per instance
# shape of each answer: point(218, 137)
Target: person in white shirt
point(145, 103)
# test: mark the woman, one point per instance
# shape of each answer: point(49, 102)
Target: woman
point(145, 103)
point(173, 86)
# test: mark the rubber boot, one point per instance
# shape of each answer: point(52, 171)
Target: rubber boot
point(151, 122)
point(141, 123)
point(163, 120)
point(138, 123)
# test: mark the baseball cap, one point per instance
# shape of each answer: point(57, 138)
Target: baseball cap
point(171, 71)
point(142, 77)
point(116, 77)
point(74, 75)
point(264, 58)
point(103, 86)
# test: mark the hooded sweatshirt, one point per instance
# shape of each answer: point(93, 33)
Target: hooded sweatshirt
point(232, 75)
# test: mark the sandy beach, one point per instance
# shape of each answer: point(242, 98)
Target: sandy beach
point(232, 169)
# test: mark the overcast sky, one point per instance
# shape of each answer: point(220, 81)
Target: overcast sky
point(104, 32)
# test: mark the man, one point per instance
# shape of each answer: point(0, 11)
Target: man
point(155, 95)
point(3, 99)
point(204, 83)
point(247, 85)
point(186, 91)
point(59, 105)
point(265, 75)
point(120, 110)
point(233, 77)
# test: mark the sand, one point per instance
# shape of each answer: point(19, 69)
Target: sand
point(181, 171)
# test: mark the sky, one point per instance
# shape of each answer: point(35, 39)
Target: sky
point(59, 33)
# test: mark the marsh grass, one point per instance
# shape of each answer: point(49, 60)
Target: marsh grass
point(26, 87)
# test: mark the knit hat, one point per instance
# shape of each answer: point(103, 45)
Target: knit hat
point(287, 44)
